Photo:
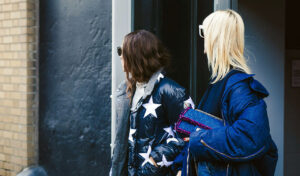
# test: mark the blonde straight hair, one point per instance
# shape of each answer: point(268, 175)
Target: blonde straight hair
point(224, 43)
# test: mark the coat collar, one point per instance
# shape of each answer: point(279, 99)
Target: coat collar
point(155, 79)
point(254, 84)
point(121, 89)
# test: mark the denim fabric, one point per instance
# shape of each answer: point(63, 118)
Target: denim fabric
point(244, 145)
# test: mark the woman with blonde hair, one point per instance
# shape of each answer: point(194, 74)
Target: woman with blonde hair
point(243, 146)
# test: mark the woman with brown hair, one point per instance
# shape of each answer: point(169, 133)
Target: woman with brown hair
point(148, 104)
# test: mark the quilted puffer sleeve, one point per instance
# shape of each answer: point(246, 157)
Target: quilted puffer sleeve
point(246, 139)
point(174, 101)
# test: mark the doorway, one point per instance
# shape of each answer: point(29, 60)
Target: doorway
point(176, 22)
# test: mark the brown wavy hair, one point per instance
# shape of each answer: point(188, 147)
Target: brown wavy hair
point(143, 55)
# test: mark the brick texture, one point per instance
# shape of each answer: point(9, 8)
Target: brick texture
point(18, 85)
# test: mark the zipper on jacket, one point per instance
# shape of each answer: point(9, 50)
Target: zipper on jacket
point(230, 157)
point(196, 167)
point(187, 162)
point(227, 170)
point(223, 117)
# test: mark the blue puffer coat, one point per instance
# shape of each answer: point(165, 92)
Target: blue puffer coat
point(151, 129)
point(244, 145)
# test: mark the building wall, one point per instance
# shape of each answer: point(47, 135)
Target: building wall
point(18, 85)
point(265, 50)
point(292, 94)
point(75, 87)
point(292, 120)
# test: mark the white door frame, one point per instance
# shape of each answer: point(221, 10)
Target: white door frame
point(121, 25)
point(225, 4)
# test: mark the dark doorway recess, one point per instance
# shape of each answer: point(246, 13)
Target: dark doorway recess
point(176, 22)
point(292, 29)
point(75, 87)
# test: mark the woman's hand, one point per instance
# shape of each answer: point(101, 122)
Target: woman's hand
point(153, 162)
point(186, 139)
point(179, 173)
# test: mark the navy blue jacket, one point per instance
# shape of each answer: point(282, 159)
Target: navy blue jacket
point(151, 129)
point(244, 145)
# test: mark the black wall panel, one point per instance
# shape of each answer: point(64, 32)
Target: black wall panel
point(75, 87)
point(176, 22)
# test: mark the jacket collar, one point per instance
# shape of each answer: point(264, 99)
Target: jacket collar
point(155, 79)
point(121, 89)
point(254, 84)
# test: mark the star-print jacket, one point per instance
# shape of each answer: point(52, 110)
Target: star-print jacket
point(151, 128)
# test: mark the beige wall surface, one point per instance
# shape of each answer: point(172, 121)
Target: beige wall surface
point(18, 85)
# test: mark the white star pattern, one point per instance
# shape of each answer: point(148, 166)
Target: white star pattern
point(160, 76)
point(169, 131)
point(189, 102)
point(171, 139)
point(146, 156)
point(164, 162)
point(151, 107)
point(131, 132)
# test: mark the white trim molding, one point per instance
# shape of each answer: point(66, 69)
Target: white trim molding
point(121, 25)
point(225, 4)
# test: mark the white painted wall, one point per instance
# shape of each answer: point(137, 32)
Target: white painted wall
point(121, 25)
point(265, 45)
point(222, 4)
